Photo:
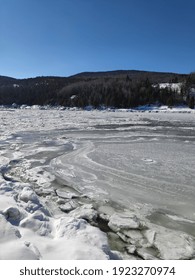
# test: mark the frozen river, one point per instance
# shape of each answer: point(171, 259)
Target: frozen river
point(138, 162)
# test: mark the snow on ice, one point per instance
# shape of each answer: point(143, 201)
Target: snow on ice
point(107, 184)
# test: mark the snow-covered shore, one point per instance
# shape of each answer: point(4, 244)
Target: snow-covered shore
point(65, 174)
point(142, 108)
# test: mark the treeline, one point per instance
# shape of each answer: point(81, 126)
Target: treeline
point(40, 91)
point(115, 92)
point(121, 89)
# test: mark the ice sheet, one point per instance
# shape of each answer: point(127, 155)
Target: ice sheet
point(66, 173)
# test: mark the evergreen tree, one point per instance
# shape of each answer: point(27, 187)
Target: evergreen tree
point(191, 102)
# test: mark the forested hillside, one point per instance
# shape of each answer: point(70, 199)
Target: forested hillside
point(122, 89)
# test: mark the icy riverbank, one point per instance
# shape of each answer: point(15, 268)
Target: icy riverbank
point(67, 174)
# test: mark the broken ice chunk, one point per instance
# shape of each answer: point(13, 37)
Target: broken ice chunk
point(123, 221)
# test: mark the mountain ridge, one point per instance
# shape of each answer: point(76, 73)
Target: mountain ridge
point(99, 74)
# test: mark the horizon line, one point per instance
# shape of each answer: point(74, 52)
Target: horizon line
point(96, 72)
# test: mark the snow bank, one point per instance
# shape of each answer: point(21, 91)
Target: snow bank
point(27, 231)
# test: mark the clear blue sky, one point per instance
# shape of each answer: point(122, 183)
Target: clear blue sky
point(64, 37)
